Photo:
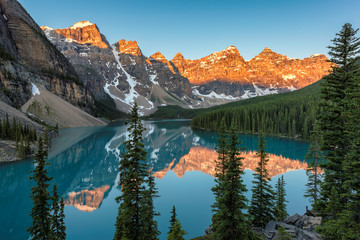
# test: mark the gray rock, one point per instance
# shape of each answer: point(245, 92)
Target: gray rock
point(311, 222)
point(306, 235)
point(292, 219)
point(286, 226)
point(270, 230)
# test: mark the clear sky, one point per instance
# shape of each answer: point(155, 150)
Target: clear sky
point(196, 28)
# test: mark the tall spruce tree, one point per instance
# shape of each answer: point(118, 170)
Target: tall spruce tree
point(333, 119)
point(62, 228)
point(220, 169)
point(55, 212)
point(176, 231)
point(150, 230)
point(134, 181)
point(229, 222)
point(280, 200)
point(262, 201)
point(314, 157)
point(40, 213)
point(173, 217)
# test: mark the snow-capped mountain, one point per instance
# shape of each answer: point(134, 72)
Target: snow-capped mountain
point(122, 73)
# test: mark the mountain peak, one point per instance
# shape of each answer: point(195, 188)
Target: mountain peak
point(128, 47)
point(230, 48)
point(158, 57)
point(46, 28)
point(84, 32)
point(179, 56)
point(266, 50)
point(81, 24)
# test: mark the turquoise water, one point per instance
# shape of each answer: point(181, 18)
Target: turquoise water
point(84, 163)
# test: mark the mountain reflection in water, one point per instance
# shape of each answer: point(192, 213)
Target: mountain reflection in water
point(203, 159)
point(84, 164)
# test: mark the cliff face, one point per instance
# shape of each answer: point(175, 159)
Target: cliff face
point(27, 56)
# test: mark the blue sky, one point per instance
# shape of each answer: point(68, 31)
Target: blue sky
point(196, 28)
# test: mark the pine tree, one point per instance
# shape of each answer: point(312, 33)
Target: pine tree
point(176, 230)
point(282, 234)
point(150, 230)
point(7, 127)
point(13, 129)
point(314, 157)
point(229, 220)
point(21, 148)
point(136, 186)
point(173, 217)
point(41, 226)
point(280, 201)
point(62, 227)
point(261, 207)
point(220, 169)
point(55, 217)
point(333, 119)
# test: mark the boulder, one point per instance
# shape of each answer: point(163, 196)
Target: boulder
point(292, 219)
point(270, 230)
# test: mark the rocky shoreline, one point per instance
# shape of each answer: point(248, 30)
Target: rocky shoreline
point(9, 154)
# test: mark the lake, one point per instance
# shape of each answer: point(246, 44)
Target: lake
point(84, 165)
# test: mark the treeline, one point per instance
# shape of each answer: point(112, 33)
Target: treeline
point(23, 135)
point(291, 114)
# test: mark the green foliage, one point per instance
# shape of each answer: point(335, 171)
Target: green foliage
point(58, 217)
point(262, 201)
point(21, 148)
point(136, 210)
point(282, 234)
point(287, 114)
point(229, 222)
point(173, 217)
point(314, 158)
point(280, 200)
point(173, 112)
point(176, 230)
point(40, 213)
point(339, 203)
point(22, 135)
point(61, 225)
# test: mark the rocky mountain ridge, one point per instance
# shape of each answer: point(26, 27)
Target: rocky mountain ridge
point(27, 57)
point(120, 72)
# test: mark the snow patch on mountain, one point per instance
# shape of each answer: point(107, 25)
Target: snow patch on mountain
point(214, 95)
point(152, 79)
point(289, 77)
point(81, 24)
point(129, 97)
point(35, 90)
point(263, 92)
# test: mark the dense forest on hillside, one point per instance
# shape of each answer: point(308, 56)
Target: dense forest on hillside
point(288, 114)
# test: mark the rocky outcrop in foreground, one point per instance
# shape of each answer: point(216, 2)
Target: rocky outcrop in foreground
point(298, 227)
